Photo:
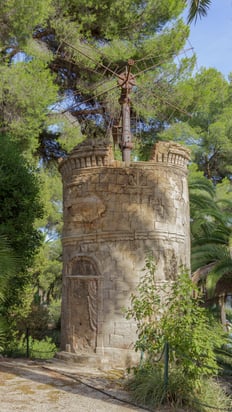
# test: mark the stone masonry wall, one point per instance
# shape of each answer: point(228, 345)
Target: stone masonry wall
point(113, 215)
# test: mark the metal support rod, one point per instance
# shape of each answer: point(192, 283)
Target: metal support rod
point(126, 131)
point(27, 343)
point(166, 361)
point(126, 82)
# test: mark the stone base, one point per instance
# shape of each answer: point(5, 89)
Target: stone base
point(111, 359)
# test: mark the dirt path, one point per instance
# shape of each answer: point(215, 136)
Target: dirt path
point(43, 387)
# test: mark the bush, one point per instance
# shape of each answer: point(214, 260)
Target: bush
point(38, 349)
point(36, 322)
point(42, 349)
point(172, 313)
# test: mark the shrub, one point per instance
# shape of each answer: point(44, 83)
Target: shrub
point(36, 322)
point(172, 313)
point(39, 349)
point(42, 349)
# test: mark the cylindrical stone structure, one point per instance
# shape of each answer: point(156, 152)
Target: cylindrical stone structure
point(114, 214)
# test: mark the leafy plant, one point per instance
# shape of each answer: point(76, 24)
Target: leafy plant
point(173, 314)
point(42, 349)
point(39, 349)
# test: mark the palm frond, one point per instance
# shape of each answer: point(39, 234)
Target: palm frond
point(221, 269)
point(206, 254)
point(201, 185)
point(213, 272)
point(218, 238)
point(198, 8)
point(199, 201)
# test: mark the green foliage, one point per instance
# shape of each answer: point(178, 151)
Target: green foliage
point(17, 301)
point(20, 204)
point(2, 338)
point(8, 266)
point(3, 333)
point(47, 271)
point(51, 197)
point(191, 332)
point(210, 396)
point(207, 98)
point(109, 34)
point(198, 8)
point(173, 314)
point(42, 349)
point(91, 37)
point(112, 19)
point(36, 322)
point(224, 359)
point(67, 129)
point(19, 18)
point(26, 91)
point(17, 307)
point(146, 387)
point(54, 309)
point(39, 349)
point(211, 229)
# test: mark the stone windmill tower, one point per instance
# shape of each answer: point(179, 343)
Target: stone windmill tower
point(114, 213)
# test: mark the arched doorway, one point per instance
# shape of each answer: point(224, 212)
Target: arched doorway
point(82, 297)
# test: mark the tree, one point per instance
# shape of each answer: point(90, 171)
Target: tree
point(8, 265)
point(109, 34)
point(47, 271)
point(208, 130)
point(198, 8)
point(110, 39)
point(20, 206)
point(211, 228)
point(211, 234)
point(208, 133)
point(18, 20)
point(26, 91)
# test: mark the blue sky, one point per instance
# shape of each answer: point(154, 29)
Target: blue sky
point(211, 37)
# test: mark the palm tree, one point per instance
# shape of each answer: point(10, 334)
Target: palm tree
point(198, 8)
point(211, 235)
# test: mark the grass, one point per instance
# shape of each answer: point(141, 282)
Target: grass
point(146, 386)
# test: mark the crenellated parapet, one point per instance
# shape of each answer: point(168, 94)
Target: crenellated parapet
point(90, 153)
point(94, 153)
point(171, 153)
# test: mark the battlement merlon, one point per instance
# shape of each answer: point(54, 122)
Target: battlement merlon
point(89, 153)
point(170, 152)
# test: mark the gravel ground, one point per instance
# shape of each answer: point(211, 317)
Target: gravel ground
point(55, 387)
